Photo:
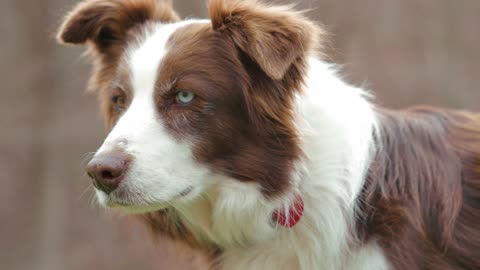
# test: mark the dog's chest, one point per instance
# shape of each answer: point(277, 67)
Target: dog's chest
point(275, 258)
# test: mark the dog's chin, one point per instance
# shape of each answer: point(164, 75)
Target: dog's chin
point(113, 201)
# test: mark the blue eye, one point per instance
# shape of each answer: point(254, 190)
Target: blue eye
point(185, 97)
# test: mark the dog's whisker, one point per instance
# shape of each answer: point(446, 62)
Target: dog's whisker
point(87, 189)
point(87, 157)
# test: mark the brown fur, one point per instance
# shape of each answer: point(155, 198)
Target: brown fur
point(274, 37)
point(422, 197)
point(106, 22)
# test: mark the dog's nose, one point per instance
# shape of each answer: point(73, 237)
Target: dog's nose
point(108, 169)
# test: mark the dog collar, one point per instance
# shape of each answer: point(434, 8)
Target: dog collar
point(295, 213)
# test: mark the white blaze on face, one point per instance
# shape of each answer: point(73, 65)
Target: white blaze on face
point(162, 167)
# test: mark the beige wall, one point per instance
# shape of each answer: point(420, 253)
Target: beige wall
point(406, 51)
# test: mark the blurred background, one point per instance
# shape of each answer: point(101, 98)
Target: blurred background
point(406, 51)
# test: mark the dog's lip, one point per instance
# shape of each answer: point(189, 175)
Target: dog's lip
point(117, 199)
point(118, 203)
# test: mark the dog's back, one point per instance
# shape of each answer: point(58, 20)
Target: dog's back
point(422, 196)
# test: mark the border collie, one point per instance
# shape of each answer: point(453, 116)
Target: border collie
point(230, 134)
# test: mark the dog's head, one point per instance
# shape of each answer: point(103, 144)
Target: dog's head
point(192, 105)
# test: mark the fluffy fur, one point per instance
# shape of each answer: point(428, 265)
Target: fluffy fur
point(269, 122)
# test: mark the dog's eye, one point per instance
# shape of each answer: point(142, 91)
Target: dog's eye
point(184, 97)
point(120, 102)
point(118, 99)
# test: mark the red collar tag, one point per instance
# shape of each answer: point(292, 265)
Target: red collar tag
point(295, 213)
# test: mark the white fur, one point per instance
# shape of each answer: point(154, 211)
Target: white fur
point(336, 123)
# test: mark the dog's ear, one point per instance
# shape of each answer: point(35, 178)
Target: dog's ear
point(106, 22)
point(274, 37)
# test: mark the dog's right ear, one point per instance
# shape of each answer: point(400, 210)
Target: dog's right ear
point(105, 23)
point(273, 37)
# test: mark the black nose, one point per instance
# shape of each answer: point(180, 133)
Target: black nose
point(108, 169)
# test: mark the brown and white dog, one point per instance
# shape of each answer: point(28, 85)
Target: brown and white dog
point(229, 134)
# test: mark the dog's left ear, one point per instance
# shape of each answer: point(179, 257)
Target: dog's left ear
point(274, 37)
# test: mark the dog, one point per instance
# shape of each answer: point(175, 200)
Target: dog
point(230, 134)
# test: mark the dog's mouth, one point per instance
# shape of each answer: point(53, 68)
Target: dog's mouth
point(137, 203)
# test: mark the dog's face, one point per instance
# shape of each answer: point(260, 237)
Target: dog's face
point(192, 105)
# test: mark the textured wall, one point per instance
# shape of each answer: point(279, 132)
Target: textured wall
point(406, 51)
